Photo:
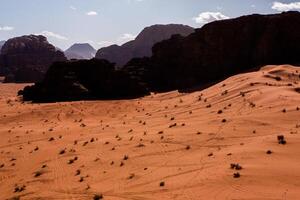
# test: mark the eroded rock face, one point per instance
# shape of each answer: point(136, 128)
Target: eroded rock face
point(142, 45)
point(214, 52)
point(27, 58)
point(84, 79)
point(223, 48)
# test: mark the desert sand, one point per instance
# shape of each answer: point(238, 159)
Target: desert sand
point(219, 143)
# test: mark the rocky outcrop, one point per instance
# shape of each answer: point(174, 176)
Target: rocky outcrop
point(223, 48)
point(214, 52)
point(142, 45)
point(84, 79)
point(80, 51)
point(27, 58)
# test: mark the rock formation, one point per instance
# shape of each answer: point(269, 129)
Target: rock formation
point(142, 45)
point(80, 51)
point(83, 79)
point(223, 48)
point(214, 52)
point(27, 58)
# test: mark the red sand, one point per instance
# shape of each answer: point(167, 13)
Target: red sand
point(192, 158)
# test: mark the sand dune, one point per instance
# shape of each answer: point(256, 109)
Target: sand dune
point(163, 146)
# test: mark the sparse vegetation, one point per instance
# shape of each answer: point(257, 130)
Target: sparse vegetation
point(236, 166)
point(162, 184)
point(63, 151)
point(77, 173)
point(284, 110)
point(131, 176)
point(173, 125)
point(236, 175)
point(281, 139)
point(126, 157)
point(98, 197)
point(19, 188)
point(37, 174)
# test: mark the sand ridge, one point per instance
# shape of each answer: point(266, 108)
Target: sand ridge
point(163, 146)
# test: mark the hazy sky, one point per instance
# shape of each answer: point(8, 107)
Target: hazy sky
point(102, 22)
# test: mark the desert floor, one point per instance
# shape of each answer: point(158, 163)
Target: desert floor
point(163, 146)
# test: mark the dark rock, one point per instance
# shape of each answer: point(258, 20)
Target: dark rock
point(224, 48)
point(83, 79)
point(142, 45)
point(27, 58)
point(214, 52)
point(80, 51)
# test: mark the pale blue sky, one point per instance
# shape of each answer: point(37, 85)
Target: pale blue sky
point(102, 22)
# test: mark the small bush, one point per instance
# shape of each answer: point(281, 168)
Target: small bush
point(126, 157)
point(281, 139)
point(37, 174)
point(98, 197)
point(162, 184)
point(269, 152)
point(236, 175)
point(63, 151)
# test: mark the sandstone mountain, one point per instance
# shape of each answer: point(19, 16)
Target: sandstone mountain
point(221, 49)
point(84, 79)
point(214, 52)
point(27, 58)
point(142, 45)
point(80, 51)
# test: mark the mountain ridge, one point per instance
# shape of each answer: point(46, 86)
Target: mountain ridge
point(142, 45)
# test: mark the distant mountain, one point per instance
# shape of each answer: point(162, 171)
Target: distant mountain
point(142, 45)
point(27, 58)
point(1, 44)
point(80, 51)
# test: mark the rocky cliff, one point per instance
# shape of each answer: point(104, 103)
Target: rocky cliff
point(84, 79)
point(142, 45)
point(223, 48)
point(214, 52)
point(27, 58)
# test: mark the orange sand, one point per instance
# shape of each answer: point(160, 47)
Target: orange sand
point(192, 158)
